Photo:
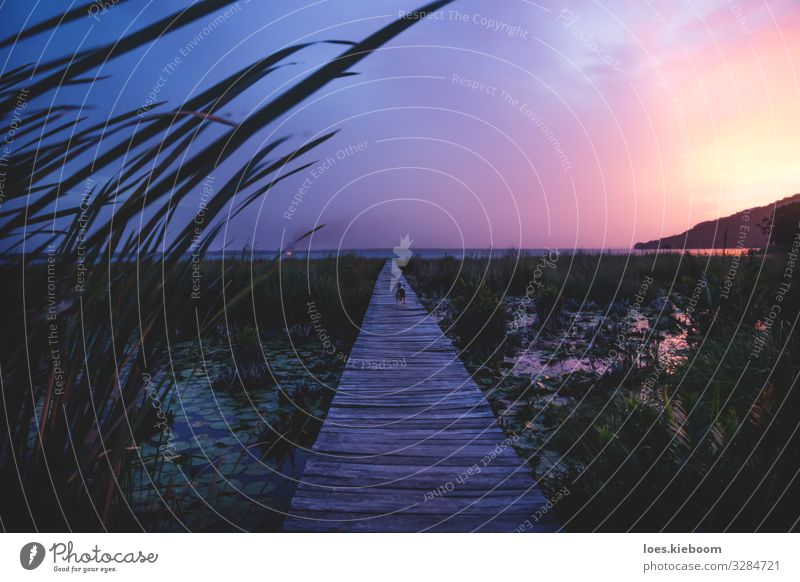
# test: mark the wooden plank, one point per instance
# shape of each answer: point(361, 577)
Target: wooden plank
point(410, 443)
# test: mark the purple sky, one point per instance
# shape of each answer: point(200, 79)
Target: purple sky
point(504, 123)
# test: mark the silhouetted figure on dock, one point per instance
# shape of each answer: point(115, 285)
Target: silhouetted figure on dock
point(400, 294)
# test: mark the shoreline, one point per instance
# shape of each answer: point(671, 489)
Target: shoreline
point(426, 253)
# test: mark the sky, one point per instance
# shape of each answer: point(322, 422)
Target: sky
point(491, 124)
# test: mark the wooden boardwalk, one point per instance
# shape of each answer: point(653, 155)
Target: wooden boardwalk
point(410, 444)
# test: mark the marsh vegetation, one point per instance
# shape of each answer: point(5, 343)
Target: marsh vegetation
point(660, 390)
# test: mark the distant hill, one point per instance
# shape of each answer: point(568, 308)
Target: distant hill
point(711, 234)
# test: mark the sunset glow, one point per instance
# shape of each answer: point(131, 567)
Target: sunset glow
point(524, 125)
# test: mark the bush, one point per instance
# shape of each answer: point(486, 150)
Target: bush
point(549, 302)
point(480, 317)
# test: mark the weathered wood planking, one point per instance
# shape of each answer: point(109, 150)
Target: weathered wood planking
point(410, 444)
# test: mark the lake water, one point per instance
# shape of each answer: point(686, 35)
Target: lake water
point(424, 253)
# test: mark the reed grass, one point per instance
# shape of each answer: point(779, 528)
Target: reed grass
point(81, 350)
